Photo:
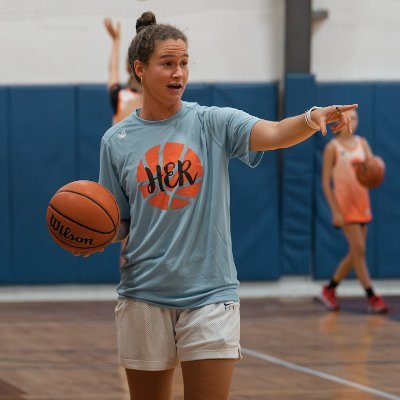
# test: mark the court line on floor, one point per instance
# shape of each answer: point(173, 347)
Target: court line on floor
point(323, 375)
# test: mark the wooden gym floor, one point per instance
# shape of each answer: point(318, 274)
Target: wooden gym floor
point(293, 349)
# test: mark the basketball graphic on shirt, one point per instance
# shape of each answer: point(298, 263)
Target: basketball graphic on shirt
point(170, 176)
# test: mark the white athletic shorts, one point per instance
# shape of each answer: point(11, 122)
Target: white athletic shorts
point(153, 338)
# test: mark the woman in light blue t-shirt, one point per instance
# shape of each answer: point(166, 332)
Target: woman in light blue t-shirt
point(167, 166)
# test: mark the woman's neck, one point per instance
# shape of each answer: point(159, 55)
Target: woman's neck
point(158, 112)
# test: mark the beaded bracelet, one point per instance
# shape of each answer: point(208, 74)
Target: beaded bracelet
point(307, 116)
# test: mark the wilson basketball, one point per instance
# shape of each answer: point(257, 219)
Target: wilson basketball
point(371, 173)
point(82, 217)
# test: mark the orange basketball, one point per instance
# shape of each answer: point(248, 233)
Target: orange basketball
point(82, 217)
point(371, 173)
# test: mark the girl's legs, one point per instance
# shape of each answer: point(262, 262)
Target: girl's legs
point(355, 258)
point(356, 235)
point(150, 385)
point(343, 269)
point(207, 379)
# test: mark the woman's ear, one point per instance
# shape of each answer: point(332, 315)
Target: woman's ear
point(138, 67)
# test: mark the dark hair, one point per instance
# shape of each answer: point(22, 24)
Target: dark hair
point(148, 33)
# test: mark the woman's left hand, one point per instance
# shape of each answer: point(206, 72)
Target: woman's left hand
point(337, 114)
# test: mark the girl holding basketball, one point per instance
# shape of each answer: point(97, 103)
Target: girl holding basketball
point(350, 207)
point(167, 166)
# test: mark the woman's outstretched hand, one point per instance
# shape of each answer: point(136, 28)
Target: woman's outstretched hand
point(333, 114)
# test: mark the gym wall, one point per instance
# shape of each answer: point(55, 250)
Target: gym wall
point(50, 135)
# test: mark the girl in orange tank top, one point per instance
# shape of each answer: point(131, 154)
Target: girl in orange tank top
point(350, 207)
point(351, 196)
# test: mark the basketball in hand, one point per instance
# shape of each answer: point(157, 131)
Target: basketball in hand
point(82, 217)
point(371, 172)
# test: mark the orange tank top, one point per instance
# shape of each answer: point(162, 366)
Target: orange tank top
point(128, 101)
point(351, 196)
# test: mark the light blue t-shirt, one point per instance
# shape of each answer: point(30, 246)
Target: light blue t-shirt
point(171, 179)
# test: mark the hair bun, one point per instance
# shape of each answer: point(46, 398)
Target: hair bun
point(146, 19)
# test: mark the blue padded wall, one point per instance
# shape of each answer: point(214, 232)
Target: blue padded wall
point(330, 245)
point(200, 93)
point(386, 205)
point(42, 158)
point(254, 192)
point(93, 118)
point(50, 135)
point(297, 182)
point(5, 198)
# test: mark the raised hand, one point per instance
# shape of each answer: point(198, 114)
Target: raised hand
point(114, 30)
